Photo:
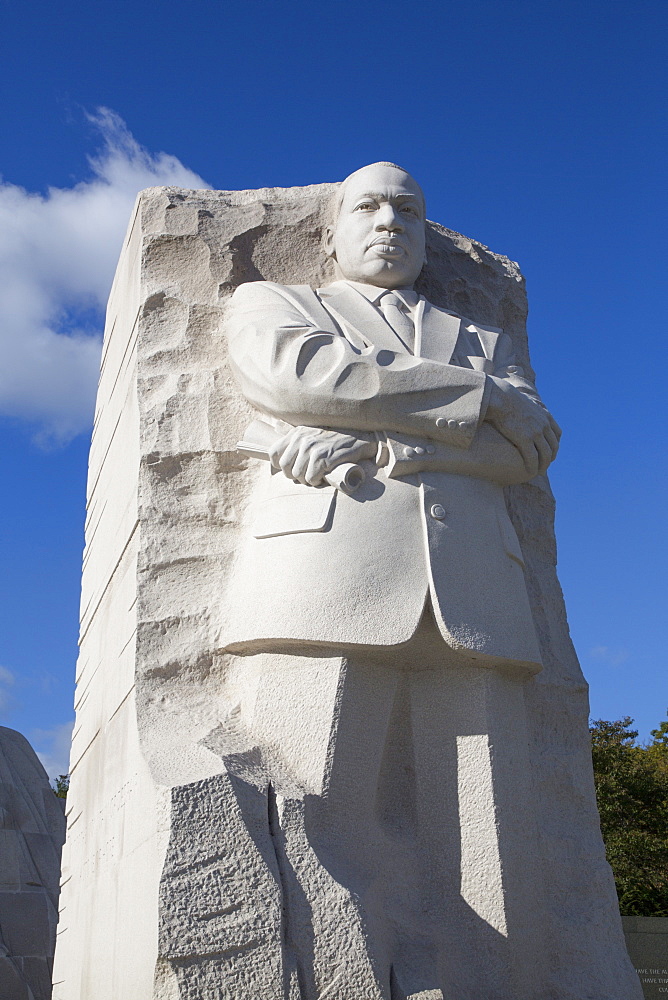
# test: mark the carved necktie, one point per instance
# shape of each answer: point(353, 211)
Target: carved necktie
point(395, 311)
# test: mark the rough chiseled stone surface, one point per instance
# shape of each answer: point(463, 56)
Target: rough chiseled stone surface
point(32, 831)
point(182, 855)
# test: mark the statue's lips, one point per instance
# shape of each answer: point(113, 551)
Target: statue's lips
point(387, 248)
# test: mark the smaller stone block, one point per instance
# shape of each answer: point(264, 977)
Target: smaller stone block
point(647, 943)
point(32, 830)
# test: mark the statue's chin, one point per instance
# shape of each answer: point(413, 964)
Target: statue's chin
point(383, 272)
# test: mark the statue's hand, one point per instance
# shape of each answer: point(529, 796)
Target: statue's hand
point(308, 454)
point(525, 423)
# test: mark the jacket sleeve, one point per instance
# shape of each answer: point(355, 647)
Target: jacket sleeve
point(490, 455)
point(505, 367)
point(290, 369)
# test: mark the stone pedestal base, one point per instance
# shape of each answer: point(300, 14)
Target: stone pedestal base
point(386, 817)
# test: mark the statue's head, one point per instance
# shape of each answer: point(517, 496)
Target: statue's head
point(378, 235)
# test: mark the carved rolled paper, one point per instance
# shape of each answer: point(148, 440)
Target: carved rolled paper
point(259, 436)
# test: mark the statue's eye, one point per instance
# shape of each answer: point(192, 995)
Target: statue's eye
point(365, 206)
point(410, 210)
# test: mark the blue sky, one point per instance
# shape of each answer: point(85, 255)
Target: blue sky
point(536, 127)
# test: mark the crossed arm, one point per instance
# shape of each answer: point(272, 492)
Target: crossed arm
point(340, 398)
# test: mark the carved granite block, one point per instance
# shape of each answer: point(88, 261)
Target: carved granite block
point(248, 820)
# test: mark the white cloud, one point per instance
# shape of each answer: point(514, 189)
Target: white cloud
point(614, 657)
point(6, 681)
point(52, 746)
point(57, 257)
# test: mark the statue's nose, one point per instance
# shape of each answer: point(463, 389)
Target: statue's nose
point(388, 220)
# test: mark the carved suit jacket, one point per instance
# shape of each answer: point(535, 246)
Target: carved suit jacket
point(324, 570)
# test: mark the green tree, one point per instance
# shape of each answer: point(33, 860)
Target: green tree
point(62, 786)
point(632, 793)
point(660, 735)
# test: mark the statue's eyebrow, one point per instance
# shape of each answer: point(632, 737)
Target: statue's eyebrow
point(380, 195)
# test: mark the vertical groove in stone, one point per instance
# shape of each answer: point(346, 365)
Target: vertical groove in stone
point(396, 806)
point(292, 969)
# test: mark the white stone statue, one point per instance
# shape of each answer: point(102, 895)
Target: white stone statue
point(388, 629)
point(331, 737)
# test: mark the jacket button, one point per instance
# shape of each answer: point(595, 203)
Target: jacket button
point(430, 449)
point(419, 450)
point(408, 452)
point(438, 511)
point(441, 422)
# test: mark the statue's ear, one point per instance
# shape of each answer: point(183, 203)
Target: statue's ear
point(328, 242)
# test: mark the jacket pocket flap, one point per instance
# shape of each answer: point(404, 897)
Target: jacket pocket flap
point(294, 512)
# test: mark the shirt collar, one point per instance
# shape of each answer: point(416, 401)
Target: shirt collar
point(374, 294)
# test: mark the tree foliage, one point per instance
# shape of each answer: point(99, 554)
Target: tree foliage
point(62, 785)
point(632, 793)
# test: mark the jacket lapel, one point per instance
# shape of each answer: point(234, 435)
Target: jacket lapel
point(438, 333)
point(436, 330)
point(489, 338)
point(306, 300)
point(355, 311)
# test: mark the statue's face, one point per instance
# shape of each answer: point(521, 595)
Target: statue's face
point(379, 236)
